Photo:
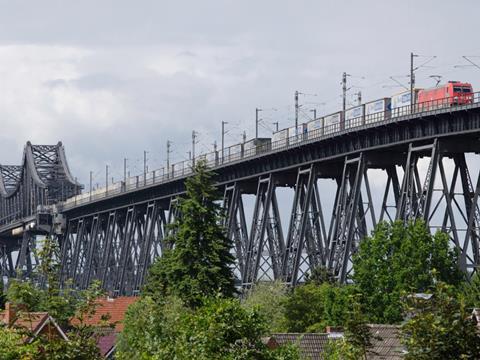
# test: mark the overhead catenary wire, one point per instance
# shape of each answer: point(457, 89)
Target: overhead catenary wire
point(236, 128)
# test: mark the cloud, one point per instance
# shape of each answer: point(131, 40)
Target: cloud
point(111, 79)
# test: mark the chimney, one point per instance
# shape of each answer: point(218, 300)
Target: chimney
point(10, 314)
point(334, 331)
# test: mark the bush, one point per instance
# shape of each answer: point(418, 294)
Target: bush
point(311, 307)
point(399, 259)
point(220, 329)
point(269, 299)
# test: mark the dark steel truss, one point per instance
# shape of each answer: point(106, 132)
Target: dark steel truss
point(265, 246)
point(307, 241)
point(430, 181)
point(43, 179)
point(26, 193)
point(419, 168)
point(114, 247)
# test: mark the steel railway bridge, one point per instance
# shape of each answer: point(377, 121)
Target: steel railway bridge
point(418, 165)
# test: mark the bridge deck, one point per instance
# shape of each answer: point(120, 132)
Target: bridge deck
point(418, 125)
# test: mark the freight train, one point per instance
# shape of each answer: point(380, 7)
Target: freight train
point(451, 94)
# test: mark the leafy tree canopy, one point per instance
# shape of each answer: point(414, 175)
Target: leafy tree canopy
point(311, 307)
point(400, 259)
point(471, 292)
point(219, 329)
point(440, 327)
point(61, 303)
point(269, 299)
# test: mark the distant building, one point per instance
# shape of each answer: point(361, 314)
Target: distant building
point(385, 340)
point(108, 311)
point(33, 323)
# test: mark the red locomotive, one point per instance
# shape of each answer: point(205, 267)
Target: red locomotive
point(451, 94)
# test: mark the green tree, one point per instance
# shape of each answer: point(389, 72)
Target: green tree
point(320, 275)
point(400, 259)
point(357, 333)
point(2, 293)
point(199, 264)
point(269, 299)
point(62, 304)
point(356, 342)
point(12, 345)
point(311, 307)
point(440, 327)
point(24, 295)
point(59, 303)
point(219, 329)
point(471, 291)
point(151, 329)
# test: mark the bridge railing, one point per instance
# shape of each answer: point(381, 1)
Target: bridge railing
point(237, 153)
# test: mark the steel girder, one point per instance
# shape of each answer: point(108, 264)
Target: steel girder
point(236, 226)
point(115, 247)
point(307, 241)
point(348, 225)
point(431, 181)
point(7, 267)
point(265, 247)
point(445, 198)
point(43, 179)
point(415, 196)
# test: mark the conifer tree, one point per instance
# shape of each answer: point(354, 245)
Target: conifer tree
point(199, 263)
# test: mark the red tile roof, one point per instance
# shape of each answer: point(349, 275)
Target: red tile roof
point(28, 320)
point(115, 308)
point(106, 343)
point(34, 322)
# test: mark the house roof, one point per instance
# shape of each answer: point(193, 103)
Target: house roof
point(311, 346)
point(385, 342)
point(106, 343)
point(28, 320)
point(114, 308)
point(33, 322)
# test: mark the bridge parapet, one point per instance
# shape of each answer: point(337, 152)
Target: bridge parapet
point(240, 153)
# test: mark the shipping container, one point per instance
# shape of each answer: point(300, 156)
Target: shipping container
point(355, 116)
point(377, 110)
point(401, 103)
point(333, 123)
point(280, 139)
point(256, 146)
point(315, 128)
point(297, 134)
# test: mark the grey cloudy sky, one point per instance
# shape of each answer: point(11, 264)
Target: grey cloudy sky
point(113, 78)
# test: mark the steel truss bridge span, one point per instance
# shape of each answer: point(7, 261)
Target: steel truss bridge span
point(419, 166)
point(28, 192)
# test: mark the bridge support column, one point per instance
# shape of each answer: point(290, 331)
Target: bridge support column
point(307, 229)
point(114, 247)
point(415, 198)
point(236, 225)
point(348, 211)
point(6, 263)
point(392, 185)
point(27, 258)
point(263, 257)
point(440, 201)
